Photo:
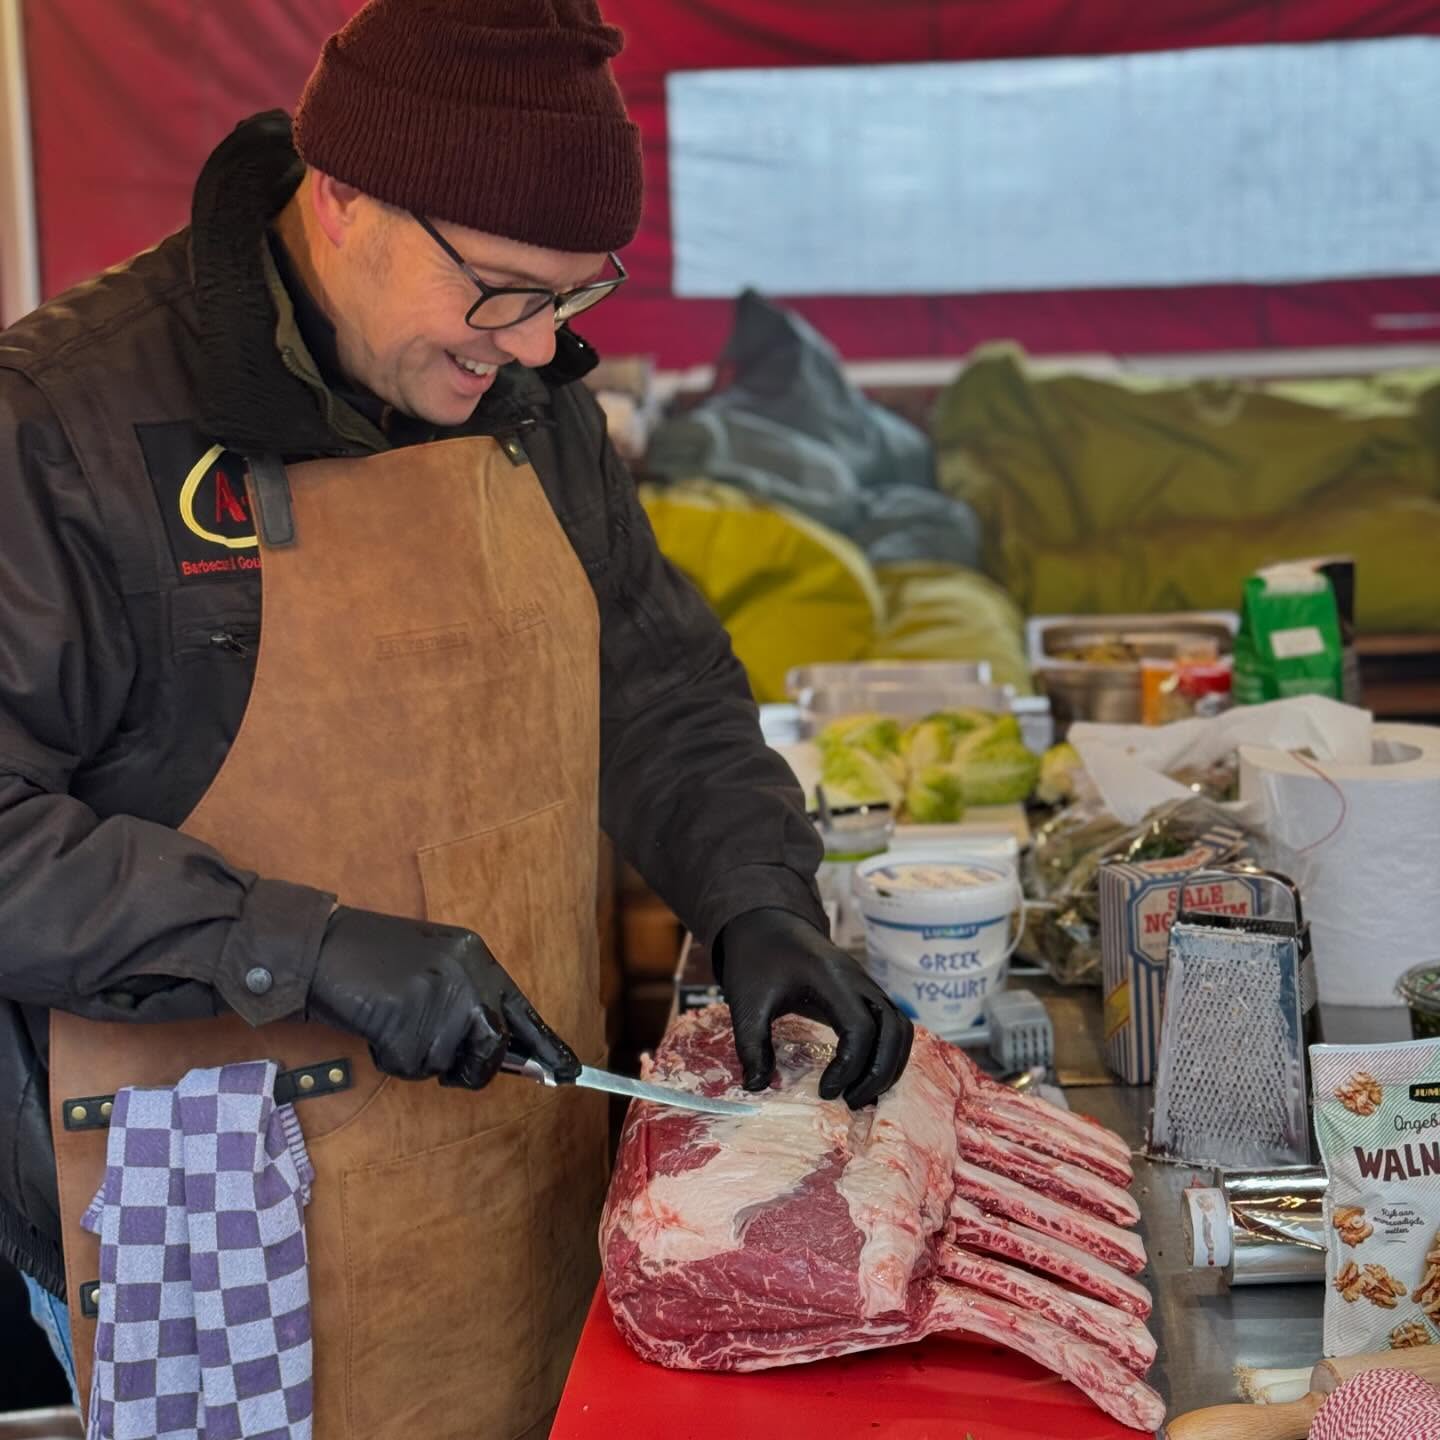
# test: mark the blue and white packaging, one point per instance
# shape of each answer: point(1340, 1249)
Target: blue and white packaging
point(939, 933)
point(1138, 904)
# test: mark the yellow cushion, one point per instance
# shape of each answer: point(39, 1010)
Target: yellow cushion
point(941, 612)
point(789, 591)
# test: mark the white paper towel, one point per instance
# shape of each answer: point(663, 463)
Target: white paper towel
point(1128, 764)
point(1363, 844)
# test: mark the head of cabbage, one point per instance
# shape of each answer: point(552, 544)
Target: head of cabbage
point(851, 775)
point(935, 795)
point(878, 735)
point(995, 766)
point(937, 767)
point(932, 741)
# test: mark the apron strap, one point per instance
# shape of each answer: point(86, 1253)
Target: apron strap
point(274, 514)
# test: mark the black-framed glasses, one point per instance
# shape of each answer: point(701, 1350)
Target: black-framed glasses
point(501, 306)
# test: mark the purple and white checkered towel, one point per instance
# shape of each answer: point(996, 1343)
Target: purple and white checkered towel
point(204, 1327)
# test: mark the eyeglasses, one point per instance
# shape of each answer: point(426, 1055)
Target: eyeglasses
point(501, 306)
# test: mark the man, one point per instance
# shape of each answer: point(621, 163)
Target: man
point(352, 375)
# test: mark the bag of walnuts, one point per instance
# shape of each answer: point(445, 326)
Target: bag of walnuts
point(1377, 1117)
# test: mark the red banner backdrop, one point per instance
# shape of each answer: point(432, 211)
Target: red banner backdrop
point(128, 99)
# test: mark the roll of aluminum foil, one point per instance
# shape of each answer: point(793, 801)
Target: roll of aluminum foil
point(1260, 1227)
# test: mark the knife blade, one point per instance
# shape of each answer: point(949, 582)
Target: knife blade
point(592, 1079)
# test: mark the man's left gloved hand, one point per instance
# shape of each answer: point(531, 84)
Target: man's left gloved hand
point(773, 963)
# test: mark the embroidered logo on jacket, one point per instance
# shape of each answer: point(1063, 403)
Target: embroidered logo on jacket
point(200, 488)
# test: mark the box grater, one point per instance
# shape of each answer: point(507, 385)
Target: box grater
point(1240, 1012)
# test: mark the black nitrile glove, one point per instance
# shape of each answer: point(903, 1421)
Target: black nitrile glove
point(431, 1000)
point(772, 963)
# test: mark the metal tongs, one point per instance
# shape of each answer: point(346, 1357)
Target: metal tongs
point(622, 1085)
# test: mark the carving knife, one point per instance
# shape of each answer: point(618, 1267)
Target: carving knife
point(623, 1085)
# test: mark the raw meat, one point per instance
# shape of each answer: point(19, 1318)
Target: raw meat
point(998, 1196)
point(807, 1231)
point(1049, 1177)
point(1088, 1134)
point(1112, 1387)
point(1125, 1337)
point(1030, 1122)
point(971, 1226)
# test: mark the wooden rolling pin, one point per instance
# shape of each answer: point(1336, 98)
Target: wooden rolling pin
point(1292, 1421)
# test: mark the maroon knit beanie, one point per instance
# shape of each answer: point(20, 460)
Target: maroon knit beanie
point(500, 115)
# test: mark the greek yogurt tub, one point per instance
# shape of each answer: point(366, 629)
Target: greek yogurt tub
point(938, 933)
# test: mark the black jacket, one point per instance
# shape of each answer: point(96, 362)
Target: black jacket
point(127, 642)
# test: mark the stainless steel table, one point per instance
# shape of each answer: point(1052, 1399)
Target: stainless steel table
point(1204, 1329)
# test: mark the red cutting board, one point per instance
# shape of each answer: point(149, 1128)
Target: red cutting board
point(938, 1389)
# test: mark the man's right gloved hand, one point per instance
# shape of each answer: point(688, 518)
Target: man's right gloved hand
point(431, 1000)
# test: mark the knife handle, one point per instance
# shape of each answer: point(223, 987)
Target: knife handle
point(529, 1067)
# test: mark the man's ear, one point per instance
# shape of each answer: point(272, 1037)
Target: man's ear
point(336, 204)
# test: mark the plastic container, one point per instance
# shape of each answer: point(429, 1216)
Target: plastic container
point(850, 837)
point(939, 933)
point(957, 842)
point(1420, 990)
point(910, 689)
point(1186, 687)
point(1111, 691)
point(1022, 1034)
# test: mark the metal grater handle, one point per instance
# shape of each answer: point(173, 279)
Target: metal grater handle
point(1242, 872)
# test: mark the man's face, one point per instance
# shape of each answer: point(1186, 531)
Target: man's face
point(400, 304)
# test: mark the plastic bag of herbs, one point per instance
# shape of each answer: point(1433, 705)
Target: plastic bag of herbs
point(1062, 869)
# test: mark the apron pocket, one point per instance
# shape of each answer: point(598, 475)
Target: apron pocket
point(438, 1258)
point(527, 888)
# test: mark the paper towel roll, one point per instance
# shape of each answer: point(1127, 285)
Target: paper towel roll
point(1363, 844)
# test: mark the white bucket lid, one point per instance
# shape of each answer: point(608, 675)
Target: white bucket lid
point(935, 884)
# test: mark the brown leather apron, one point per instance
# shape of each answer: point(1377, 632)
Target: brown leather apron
point(423, 739)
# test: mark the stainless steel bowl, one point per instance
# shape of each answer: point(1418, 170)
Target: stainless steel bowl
point(1110, 693)
point(1157, 637)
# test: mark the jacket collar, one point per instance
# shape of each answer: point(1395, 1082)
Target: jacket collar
point(251, 401)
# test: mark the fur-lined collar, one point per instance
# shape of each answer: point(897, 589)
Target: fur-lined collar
point(251, 402)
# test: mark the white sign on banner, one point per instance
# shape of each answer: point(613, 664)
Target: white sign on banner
point(1262, 163)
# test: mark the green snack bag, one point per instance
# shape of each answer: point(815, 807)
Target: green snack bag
point(1289, 641)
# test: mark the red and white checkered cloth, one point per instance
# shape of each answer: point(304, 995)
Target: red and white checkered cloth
point(1380, 1405)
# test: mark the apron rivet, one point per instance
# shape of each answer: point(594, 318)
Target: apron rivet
point(306, 1082)
point(337, 1076)
point(105, 1109)
point(79, 1113)
point(95, 1297)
